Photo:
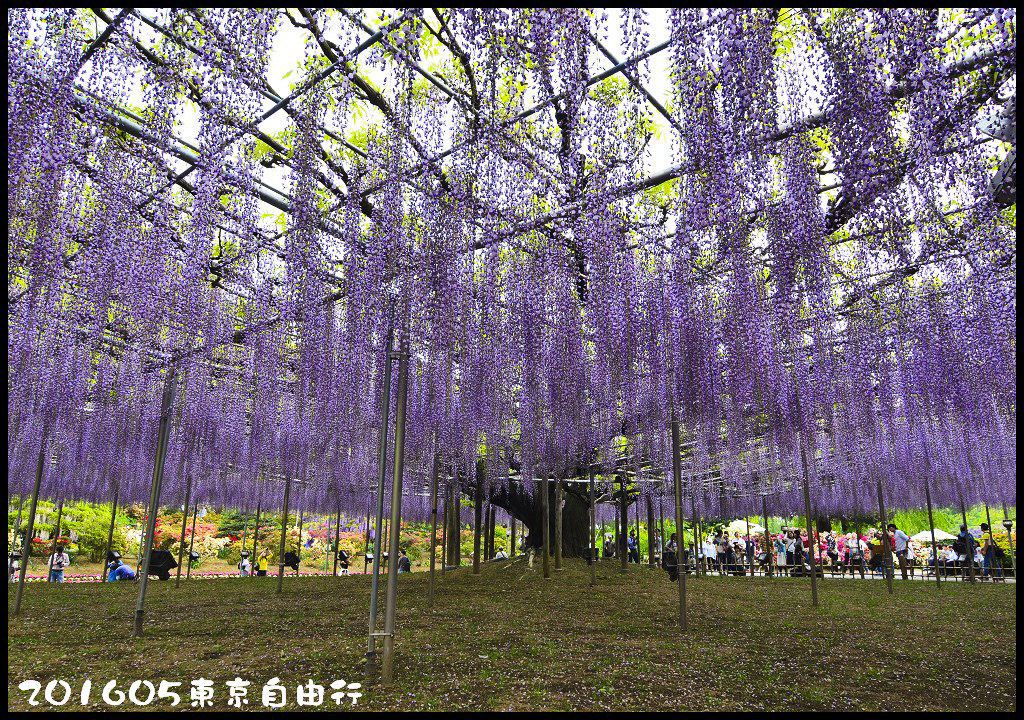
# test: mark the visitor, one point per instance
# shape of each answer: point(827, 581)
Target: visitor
point(739, 548)
point(964, 545)
point(978, 558)
point(404, 565)
point(118, 570)
point(670, 560)
point(952, 561)
point(856, 548)
point(876, 557)
point(56, 563)
point(832, 550)
point(900, 544)
point(791, 551)
point(798, 552)
point(934, 559)
point(123, 572)
point(244, 566)
point(724, 548)
point(780, 552)
point(343, 561)
point(911, 558)
point(262, 563)
point(738, 555)
point(501, 554)
point(719, 542)
point(609, 545)
point(764, 554)
point(13, 565)
point(709, 554)
point(634, 547)
point(113, 561)
point(657, 546)
point(991, 556)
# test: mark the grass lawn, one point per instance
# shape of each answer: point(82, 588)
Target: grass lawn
point(508, 639)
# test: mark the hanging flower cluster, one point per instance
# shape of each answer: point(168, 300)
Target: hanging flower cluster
point(823, 275)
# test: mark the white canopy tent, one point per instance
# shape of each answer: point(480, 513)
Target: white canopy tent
point(925, 536)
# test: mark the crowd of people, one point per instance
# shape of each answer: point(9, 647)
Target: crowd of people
point(787, 553)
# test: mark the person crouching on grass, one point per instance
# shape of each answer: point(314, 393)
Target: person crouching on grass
point(244, 566)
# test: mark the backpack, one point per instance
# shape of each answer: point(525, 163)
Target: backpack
point(959, 546)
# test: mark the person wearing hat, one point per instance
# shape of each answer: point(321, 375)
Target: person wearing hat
point(244, 566)
point(261, 570)
point(123, 572)
point(113, 562)
point(118, 570)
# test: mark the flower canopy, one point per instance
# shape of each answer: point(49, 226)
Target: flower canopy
point(792, 231)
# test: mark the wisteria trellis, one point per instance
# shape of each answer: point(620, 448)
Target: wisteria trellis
point(825, 261)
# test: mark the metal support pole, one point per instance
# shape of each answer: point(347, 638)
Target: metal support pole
point(767, 536)
point(192, 540)
point(366, 532)
point(337, 541)
point(256, 536)
point(749, 547)
point(636, 516)
point(444, 531)
point(623, 520)
point(455, 537)
point(284, 533)
point(299, 551)
point(677, 487)
point(992, 540)
point(661, 524)
point(478, 509)
point(387, 671)
point(433, 526)
point(699, 566)
point(26, 545)
point(810, 525)
point(154, 496)
point(110, 537)
point(593, 532)
point(650, 530)
point(382, 465)
point(559, 498)
point(184, 524)
point(615, 506)
point(492, 530)
point(17, 521)
point(485, 543)
point(887, 560)
point(1008, 524)
point(56, 533)
point(512, 547)
point(968, 542)
point(546, 526)
point(931, 524)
